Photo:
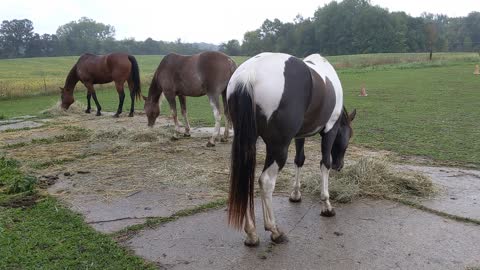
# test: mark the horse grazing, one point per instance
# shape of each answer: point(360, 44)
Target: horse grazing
point(206, 73)
point(93, 69)
point(279, 98)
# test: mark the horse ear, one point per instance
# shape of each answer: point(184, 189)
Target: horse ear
point(351, 116)
point(144, 98)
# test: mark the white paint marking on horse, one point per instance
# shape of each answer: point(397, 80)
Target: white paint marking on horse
point(267, 185)
point(296, 195)
point(326, 70)
point(324, 195)
point(265, 74)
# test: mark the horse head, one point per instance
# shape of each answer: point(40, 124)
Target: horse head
point(152, 110)
point(67, 98)
point(345, 132)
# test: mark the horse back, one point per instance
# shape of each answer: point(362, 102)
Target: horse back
point(99, 69)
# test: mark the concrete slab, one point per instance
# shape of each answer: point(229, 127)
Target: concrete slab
point(364, 235)
point(20, 125)
point(460, 190)
point(115, 214)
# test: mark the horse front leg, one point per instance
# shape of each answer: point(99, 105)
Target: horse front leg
point(173, 109)
point(296, 196)
point(89, 107)
point(273, 164)
point(183, 107)
point(91, 90)
point(325, 165)
point(214, 102)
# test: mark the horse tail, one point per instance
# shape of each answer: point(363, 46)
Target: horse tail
point(135, 77)
point(242, 112)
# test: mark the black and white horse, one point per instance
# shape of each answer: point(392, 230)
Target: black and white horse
point(279, 98)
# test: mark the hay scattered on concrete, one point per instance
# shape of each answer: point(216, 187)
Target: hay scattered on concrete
point(57, 110)
point(375, 179)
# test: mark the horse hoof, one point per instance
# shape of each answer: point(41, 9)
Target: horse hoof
point(98, 114)
point(130, 115)
point(209, 144)
point(223, 140)
point(282, 238)
point(174, 138)
point(187, 135)
point(295, 200)
point(116, 115)
point(87, 111)
point(328, 213)
point(251, 243)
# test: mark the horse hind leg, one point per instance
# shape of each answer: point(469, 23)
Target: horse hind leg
point(121, 98)
point(274, 162)
point(252, 239)
point(226, 133)
point(296, 196)
point(132, 97)
point(214, 102)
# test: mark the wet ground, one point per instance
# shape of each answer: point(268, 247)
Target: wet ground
point(118, 173)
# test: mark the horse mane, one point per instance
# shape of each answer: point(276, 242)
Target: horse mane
point(72, 78)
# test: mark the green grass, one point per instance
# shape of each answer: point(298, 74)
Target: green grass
point(48, 236)
point(36, 232)
point(414, 107)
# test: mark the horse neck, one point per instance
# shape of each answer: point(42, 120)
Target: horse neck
point(72, 78)
point(155, 91)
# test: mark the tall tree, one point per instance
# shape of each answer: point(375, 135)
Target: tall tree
point(85, 35)
point(14, 37)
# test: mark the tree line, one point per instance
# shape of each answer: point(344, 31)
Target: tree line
point(347, 27)
point(18, 39)
point(358, 27)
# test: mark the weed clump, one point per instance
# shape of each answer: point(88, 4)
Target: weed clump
point(375, 179)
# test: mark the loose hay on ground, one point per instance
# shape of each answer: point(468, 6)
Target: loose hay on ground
point(373, 178)
point(57, 110)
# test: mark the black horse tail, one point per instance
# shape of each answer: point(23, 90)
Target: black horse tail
point(241, 106)
point(135, 77)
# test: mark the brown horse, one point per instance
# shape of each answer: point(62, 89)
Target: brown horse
point(93, 69)
point(196, 75)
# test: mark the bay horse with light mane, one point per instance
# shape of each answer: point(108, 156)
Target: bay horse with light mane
point(206, 73)
point(93, 69)
point(280, 98)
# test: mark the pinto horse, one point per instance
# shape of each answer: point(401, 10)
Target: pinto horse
point(280, 98)
point(206, 73)
point(93, 69)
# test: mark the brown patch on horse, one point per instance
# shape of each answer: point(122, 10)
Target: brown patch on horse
point(322, 103)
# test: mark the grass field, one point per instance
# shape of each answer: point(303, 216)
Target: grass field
point(414, 107)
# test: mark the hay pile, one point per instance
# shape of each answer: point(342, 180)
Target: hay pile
point(56, 110)
point(375, 179)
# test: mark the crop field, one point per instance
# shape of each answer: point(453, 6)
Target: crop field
point(414, 106)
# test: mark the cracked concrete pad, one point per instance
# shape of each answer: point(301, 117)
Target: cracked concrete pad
point(365, 235)
point(114, 214)
point(460, 190)
point(20, 125)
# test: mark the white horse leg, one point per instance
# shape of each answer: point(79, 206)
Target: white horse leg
point(252, 239)
point(327, 209)
point(267, 185)
point(218, 118)
point(296, 196)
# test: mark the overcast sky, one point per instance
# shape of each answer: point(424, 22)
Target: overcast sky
point(213, 21)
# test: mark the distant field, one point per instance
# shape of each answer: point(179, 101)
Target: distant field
point(414, 107)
